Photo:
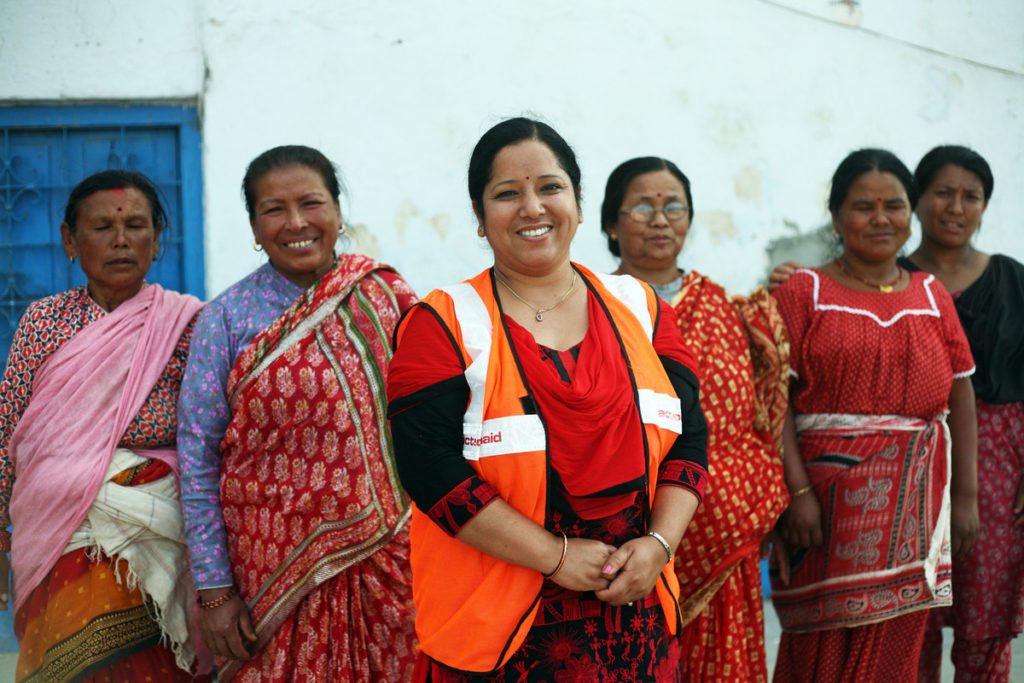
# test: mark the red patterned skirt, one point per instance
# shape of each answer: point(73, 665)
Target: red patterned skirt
point(577, 637)
point(988, 584)
point(356, 627)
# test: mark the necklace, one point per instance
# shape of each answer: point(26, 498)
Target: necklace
point(883, 287)
point(538, 312)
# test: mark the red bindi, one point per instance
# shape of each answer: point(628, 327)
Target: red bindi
point(119, 209)
point(659, 194)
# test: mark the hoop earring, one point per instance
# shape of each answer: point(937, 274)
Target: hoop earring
point(343, 229)
point(256, 246)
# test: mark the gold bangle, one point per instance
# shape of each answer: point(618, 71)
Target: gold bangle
point(802, 491)
point(561, 561)
point(217, 602)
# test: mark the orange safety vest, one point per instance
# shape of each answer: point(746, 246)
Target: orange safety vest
point(473, 611)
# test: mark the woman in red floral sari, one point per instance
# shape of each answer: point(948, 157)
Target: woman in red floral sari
point(294, 515)
point(742, 352)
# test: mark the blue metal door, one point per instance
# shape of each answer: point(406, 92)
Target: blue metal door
point(44, 152)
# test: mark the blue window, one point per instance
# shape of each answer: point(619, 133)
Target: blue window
point(46, 151)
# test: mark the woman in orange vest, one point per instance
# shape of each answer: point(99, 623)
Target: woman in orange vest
point(547, 429)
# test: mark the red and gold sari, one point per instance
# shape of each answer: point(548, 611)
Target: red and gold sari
point(315, 515)
point(743, 355)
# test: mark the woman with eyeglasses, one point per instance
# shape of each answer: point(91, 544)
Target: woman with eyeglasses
point(742, 356)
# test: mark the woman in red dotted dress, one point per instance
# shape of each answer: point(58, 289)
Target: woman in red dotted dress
point(878, 358)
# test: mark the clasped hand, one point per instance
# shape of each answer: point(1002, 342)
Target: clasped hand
point(616, 575)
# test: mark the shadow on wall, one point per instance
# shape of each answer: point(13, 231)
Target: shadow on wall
point(808, 249)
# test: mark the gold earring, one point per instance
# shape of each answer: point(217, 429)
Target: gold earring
point(256, 246)
point(71, 259)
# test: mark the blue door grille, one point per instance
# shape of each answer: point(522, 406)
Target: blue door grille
point(39, 164)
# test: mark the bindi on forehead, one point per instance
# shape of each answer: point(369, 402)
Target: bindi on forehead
point(659, 194)
point(119, 209)
point(527, 177)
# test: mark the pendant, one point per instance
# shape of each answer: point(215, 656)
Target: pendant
point(885, 289)
point(540, 316)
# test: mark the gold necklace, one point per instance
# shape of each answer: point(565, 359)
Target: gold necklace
point(538, 312)
point(883, 287)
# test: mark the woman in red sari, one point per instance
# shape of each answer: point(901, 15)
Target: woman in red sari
point(742, 354)
point(294, 515)
point(878, 358)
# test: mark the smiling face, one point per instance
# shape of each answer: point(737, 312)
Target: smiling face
point(297, 222)
point(951, 207)
point(874, 218)
point(529, 213)
point(653, 246)
point(115, 240)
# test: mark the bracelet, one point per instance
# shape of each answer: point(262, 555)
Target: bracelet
point(664, 544)
point(561, 561)
point(217, 602)
point(802, 491)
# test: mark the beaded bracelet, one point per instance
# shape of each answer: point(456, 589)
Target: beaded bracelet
point(561, 561)
point(217, 602)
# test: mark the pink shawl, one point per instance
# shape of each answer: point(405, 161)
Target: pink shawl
point(83, 399)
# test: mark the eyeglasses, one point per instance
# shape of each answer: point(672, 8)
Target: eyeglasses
point(644, 213)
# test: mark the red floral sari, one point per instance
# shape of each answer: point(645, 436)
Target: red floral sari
point(315, 515)
point(743, 355)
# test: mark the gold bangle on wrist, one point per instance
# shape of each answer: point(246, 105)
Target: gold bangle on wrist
point(561, 561)
point(801, 491)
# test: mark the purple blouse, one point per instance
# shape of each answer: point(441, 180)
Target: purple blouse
point(225, 328)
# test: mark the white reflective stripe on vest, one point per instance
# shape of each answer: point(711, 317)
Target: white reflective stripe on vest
point(475, 324)
point(502, 435)
point(662, 410)
point(629, 291)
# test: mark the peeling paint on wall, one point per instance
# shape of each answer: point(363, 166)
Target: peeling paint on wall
point(847, 12)
point(406, 211)
point(440, 223)
point(808, 249)
point(749, 184)
point(362, 239)
point(719, 225)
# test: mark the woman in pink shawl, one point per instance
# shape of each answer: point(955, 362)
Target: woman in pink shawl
point(88, 468)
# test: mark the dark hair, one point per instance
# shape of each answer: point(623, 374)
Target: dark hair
point(511, 132)
point(864, 161)
point(115, 179)
point(284, 157)
point(957, 155)
point(618, 184)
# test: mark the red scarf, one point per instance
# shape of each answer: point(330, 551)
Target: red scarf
point(595, 435)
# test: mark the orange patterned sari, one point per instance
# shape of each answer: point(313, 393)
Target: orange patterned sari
point(315, 515)
point(743, 355)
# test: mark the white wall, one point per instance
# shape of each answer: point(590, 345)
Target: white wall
point(757, 101)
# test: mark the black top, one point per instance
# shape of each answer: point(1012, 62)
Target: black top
point(992, 314)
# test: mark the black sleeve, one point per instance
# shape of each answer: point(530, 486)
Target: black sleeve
point(692, 444)
point(426, 427)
